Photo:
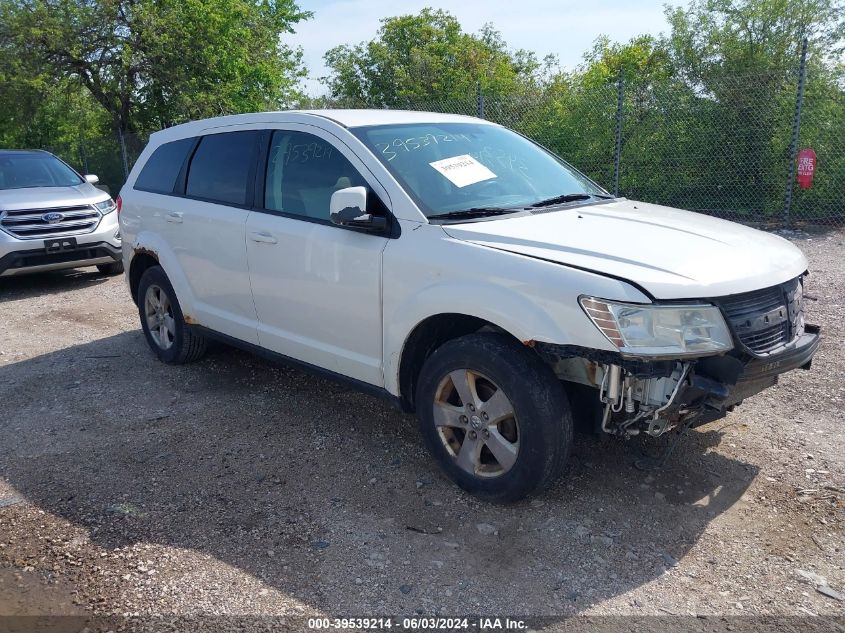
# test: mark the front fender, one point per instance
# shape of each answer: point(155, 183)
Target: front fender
point(531, 299)
point(501, 307)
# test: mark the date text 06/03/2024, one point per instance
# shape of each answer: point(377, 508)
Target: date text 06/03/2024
point(419, 624)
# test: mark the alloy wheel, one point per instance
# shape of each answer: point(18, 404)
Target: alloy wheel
point(477, 424)
point(159, 314)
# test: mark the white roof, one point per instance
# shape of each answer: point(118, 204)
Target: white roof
point(357, 118)
point(346, 118)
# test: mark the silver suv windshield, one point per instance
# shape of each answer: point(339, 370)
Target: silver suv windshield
point(25, 171)
point(452, 169)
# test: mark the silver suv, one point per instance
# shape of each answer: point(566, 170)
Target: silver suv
point(51, 217)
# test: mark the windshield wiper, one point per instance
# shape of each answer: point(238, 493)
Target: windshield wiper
point(568, 197)
point(481, 212)
point(474, 212)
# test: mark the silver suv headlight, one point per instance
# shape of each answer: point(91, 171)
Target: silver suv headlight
point(660, 330)
point(106, 206)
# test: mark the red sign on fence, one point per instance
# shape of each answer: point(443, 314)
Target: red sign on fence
point(806, 168)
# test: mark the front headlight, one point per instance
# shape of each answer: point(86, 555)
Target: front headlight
point(660, 330)
point(106, 206)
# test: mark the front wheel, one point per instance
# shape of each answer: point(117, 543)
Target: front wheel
point(494, 416)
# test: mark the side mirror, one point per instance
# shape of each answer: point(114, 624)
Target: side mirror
point(92, 178)
point(348, 208)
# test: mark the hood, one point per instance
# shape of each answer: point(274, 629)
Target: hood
point(49, 197)
point(673, 254)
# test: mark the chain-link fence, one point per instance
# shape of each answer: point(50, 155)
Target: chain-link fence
point(726, 146)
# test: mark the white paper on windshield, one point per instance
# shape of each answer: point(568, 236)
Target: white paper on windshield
point(463, 170)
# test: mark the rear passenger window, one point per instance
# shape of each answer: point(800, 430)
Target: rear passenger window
point(221, 167)
point(162, 169)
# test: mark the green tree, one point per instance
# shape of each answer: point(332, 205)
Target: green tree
point(740, 59)
point(716, 38)
point(708, 108)
point(37, 111)
point(576, 114)
point(427, 57)
point(151, 63)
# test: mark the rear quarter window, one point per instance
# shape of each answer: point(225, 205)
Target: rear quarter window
point(162, 169)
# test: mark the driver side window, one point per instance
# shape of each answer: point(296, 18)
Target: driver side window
point(303, 171)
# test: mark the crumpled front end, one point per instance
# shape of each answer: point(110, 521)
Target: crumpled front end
point(637, 395)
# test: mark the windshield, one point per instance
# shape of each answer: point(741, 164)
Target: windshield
point(452, 167)
point(23, 171)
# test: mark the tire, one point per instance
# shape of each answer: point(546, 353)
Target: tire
point(520, 452)
point(115, 268)
point(176, 344)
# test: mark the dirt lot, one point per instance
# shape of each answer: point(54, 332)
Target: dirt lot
point(233, 486)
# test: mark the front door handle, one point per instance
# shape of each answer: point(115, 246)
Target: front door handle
point(174, 216)
point(262, 236)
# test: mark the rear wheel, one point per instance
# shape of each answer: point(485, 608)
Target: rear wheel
point(163, 322)
point(494, 416)
point(114, 268)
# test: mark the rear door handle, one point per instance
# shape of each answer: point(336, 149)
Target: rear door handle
point(262, 236)
point(174, 216)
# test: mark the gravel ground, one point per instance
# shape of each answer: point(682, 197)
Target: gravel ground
point(233, 486)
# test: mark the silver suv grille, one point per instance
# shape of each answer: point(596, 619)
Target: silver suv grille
point(767, 319)
point(52, 222)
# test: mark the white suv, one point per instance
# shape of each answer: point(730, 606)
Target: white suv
point(461, 271)
point(52, 218)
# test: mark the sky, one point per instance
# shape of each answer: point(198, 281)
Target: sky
point(566, 28)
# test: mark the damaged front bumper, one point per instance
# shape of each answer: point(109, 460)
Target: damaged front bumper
point(639, 396)
point(744, 377)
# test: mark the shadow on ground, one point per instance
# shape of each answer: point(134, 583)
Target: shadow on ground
point(26, 286)
point(327, 495)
